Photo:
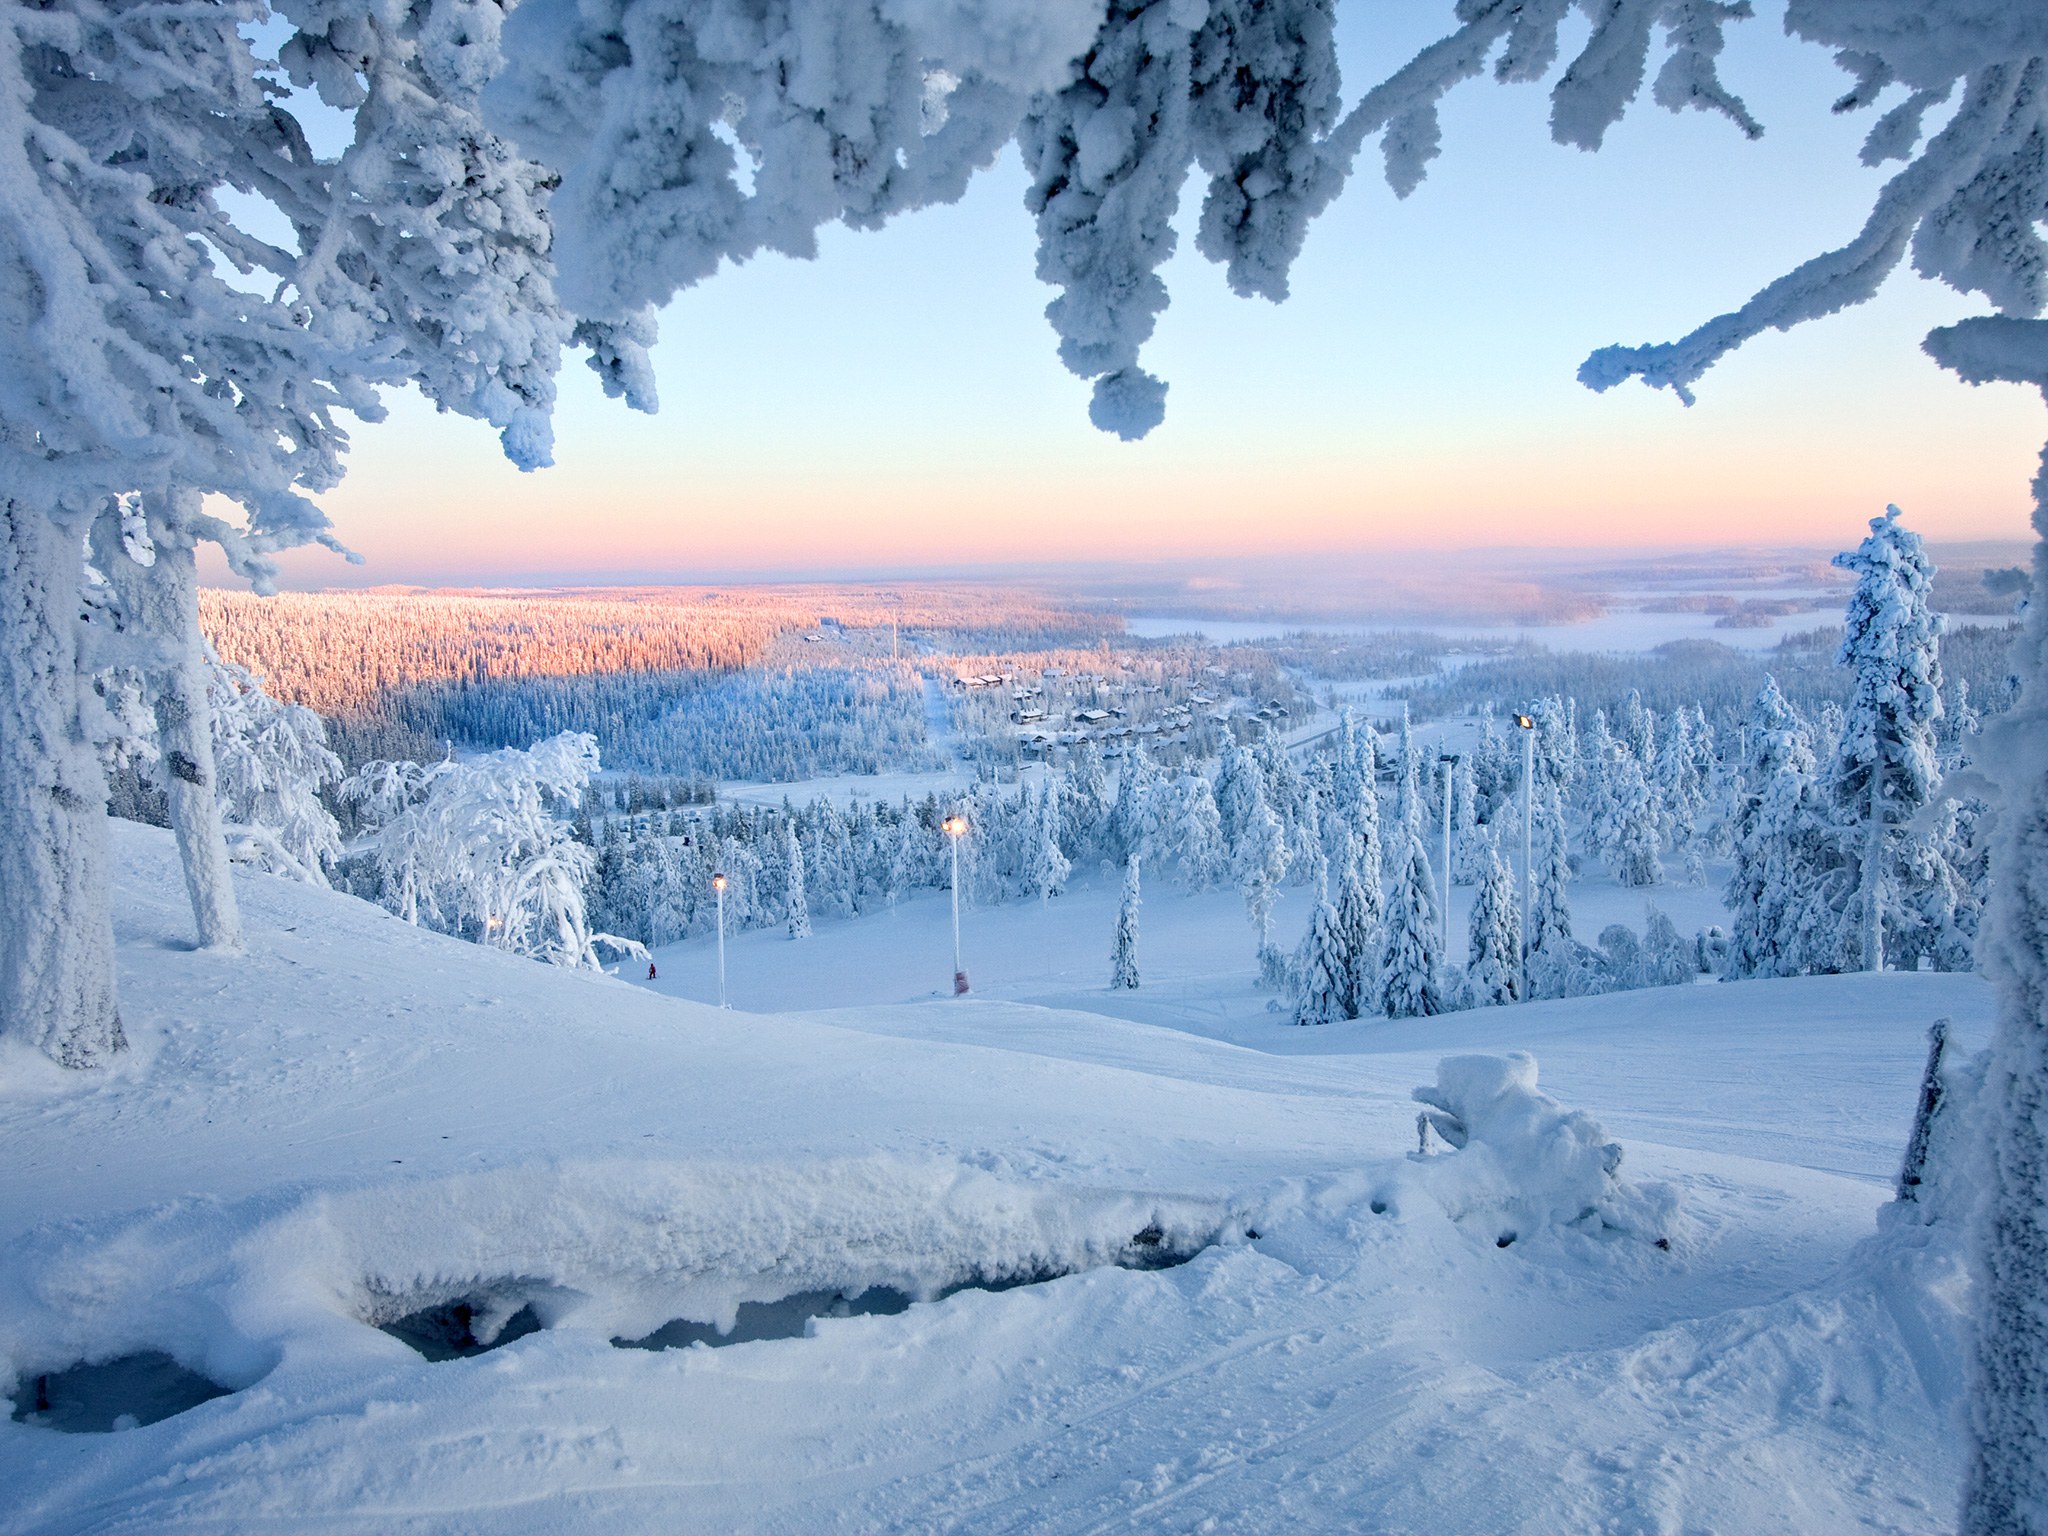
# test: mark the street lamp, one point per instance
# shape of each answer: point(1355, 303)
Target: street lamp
point(1527, 724)
point(1450, 760)
point(718, 884)
point(955, 828)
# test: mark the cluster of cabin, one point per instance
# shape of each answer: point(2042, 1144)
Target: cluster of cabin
point(1062, 709)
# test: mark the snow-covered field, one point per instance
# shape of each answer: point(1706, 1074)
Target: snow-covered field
point(357, 1120)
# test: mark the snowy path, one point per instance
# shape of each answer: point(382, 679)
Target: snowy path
point(357, 1118)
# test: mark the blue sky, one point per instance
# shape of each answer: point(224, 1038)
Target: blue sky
point(896, 405)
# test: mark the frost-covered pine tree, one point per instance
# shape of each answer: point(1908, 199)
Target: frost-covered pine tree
point(1553, 953)
point(1286, 793)
point(1123, 954)
point(1411, 980)
point(1772, 832)
point(1681, 795)
point(1360, 911)
point(1886, 765)
point(1048, 867)
point(1494, 957)
point(796, 909)
point(1637, 730)
point(1131, 815)
point(1599, 799)
point(1632, 852)
point(1493, 776)
point(1323, 977)
point(1084, 793)
point(1349, 774)
point(1959, 722)
point(1202, 860)
point(1473, 844)
point(1259, 861)
point(1236, 774)
point(1364, 815)
point(1410, 812)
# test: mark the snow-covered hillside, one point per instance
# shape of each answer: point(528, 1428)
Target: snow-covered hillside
point(358, 1121)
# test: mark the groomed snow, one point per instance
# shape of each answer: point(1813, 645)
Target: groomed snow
point(356, 1118)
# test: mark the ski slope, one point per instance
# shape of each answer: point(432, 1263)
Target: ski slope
point(356, 1120)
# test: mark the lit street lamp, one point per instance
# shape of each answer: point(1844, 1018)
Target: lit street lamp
point(955, 827)
point(1527, 724)
point(718, 884)
point(1450, 760)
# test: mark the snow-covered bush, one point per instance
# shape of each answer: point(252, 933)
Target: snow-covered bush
point(485, 849)
point(1522, 1162)
point(270, 763)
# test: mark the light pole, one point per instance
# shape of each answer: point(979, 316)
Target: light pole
point(1450, 762)
point(718, 884)
point(1527, 724)
point(955, 827)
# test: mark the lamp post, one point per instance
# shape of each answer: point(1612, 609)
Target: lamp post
point(955, 827)
point(718, 884)
point(1527, 725)
point(1450, 761)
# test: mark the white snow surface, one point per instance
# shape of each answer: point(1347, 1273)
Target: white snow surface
point(356, 1118)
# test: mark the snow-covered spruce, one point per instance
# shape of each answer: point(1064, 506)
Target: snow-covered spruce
point(1493, 965)
point(1323, 983)
point(1411, 977)
point(796, 905)
point(1771, 817)
point(1886, 766)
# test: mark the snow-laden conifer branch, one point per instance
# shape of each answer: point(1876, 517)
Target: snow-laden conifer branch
point(1967, 205)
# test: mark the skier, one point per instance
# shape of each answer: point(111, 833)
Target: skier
point(650, 971)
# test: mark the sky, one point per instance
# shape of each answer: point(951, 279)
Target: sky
point(896, 405)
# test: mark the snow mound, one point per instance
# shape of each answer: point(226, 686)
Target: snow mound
point(1522, 1162)
point(617, 1247)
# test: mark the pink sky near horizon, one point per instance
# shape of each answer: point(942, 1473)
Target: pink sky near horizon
point(1664, 477)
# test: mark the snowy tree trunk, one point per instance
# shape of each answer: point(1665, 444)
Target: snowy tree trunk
point(1873, 874)
point(1123, 957)
point(162, 600)
point(57, 943)
point(2007, 1488)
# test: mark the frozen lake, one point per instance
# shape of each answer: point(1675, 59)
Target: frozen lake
point(1625, 630)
